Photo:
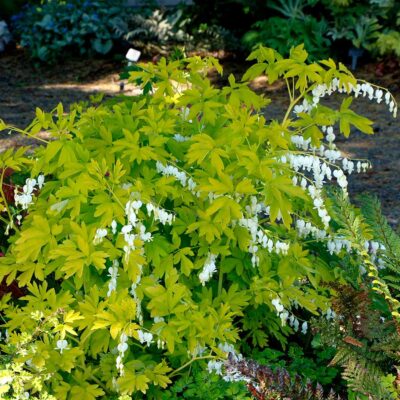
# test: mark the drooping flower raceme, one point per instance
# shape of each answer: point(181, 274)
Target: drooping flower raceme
point(181, 176)
point(25, 198)
point(113, 274)
point(365, 89)
point(209, 269)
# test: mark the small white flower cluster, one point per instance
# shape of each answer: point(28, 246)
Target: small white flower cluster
point(350, 166)
point(181, 176)
point(306, 228)
point(145, 337)
point(215, 366)
point(131, 211)
point(285, 316)
point(330, 314)
point(129, 240)
point(255, 207)
point(134, 229)
point(281, 248)
point(113, 274)
point(374, 246)
point(317, 166)
point(213, 196)
point(180, 138)
point(122, 348)
point(340, 178)
point(330, 136)
point(114, 227)
point(198, 351)
point(320, 170)
point(375, 249)
point(157, 331)
point(5, 379)
point(25, 198)
point(304, 107)
point(311, 163)
point(160, 344)
point(232, 375)
point(160, 214)
point(300, 142)
point(336, 244)
point(376, 94)
point(227, 348)
point(209, 269)
point(133, 293)
point(61, 345)
point(101, 233)
point(258, 235)
point(319, 205)
point(280, 310)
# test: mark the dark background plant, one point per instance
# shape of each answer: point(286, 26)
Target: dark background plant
point(55, 27)
point(324, 26)
point(95, 27)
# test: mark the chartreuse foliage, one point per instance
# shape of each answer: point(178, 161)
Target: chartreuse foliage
point(138, 256)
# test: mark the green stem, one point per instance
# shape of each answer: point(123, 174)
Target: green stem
point(5, 199)
point(4, 220)
point(189, 363)
point(110, 189)
point(291, 106)
point(220, 281)
point(28, 134)
point(289, 90)
point(101, 384)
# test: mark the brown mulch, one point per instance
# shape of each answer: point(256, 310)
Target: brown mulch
point(24, 87)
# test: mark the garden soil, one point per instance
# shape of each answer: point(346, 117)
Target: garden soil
point(24, 87)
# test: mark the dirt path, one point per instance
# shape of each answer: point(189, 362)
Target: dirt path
point(23, 88)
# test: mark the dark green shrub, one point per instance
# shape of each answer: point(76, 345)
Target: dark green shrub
point(280, 34)
point(51, 29)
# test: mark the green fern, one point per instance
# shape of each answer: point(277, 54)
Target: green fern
point(371, 209)
point(354, 226)
point(367, 347)
point(362, 374)
point(364, 366)
point(364, 377)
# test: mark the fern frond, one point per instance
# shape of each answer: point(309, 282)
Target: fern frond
point(371, 209)
point(361, 374)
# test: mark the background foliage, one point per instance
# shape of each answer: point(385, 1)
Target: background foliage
point(334, 27)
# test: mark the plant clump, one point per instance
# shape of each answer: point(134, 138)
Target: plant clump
point(179, 226)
